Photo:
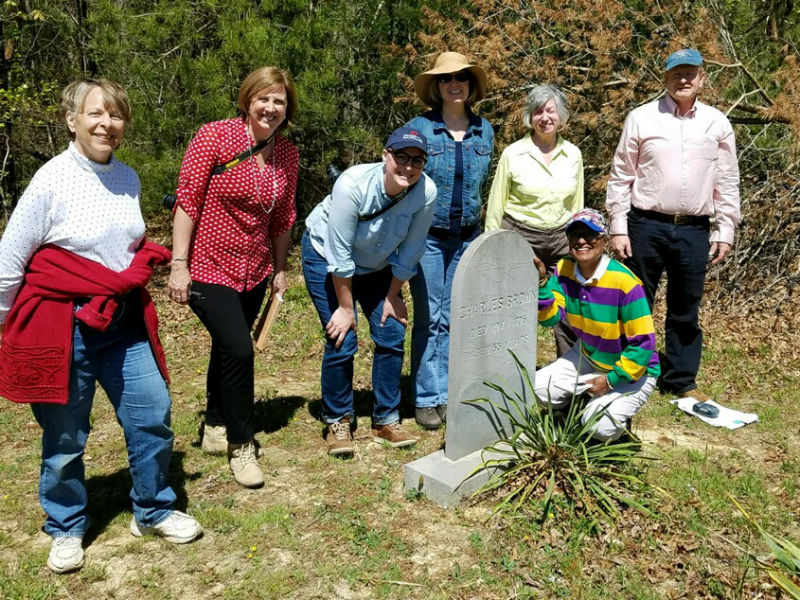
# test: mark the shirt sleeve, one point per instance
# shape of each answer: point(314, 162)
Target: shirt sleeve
point(498, 194)
point(201, 157)
point(726, 190)
point(404, 260)
point(285, 212)
point(551, 301)
point(25, 233)
point(579, 189)
point(637, 325)
point(623, 174)
point(342, 226)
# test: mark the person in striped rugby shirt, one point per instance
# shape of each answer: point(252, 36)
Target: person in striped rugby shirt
point(602, 300)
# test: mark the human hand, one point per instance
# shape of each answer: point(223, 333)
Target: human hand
point(395, 307)
point(179, 282)
point(279, 283)
point(718, 252)
point(540, 267)
point(600, 385)
point(621, 244)
point(342, 321)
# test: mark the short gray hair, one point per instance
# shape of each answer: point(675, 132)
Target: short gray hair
point(541, 95)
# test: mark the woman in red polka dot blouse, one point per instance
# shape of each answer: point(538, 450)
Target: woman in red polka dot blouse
point(230, 232)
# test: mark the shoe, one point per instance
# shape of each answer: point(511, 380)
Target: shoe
point(696, 394)
point(214, 440)
point(178, 528)
point(428, 417)
point(243, 460)
point(392, 435)
point(442, 410)
point(339, 438)
point(66, 554)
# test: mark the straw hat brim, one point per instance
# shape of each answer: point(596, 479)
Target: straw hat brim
point(423, 81)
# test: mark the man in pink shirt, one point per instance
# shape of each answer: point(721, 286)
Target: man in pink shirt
point(673, 202)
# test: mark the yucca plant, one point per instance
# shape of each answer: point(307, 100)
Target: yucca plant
point(783, 566)
point(549, 454)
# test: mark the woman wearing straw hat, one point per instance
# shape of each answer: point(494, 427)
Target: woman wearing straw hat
point(460, 146)
point(538, 185)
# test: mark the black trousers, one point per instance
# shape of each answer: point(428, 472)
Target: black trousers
point(682, 252)
point(229, 316)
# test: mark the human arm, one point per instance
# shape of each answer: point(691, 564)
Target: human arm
point(498, 194)
point(394, 306)
point(639, 334)
point(620, 185)
point(551, 295)
point(343, 318)
point(280, 250)
point(726, 197)
point(409, 251)
point(180, 281)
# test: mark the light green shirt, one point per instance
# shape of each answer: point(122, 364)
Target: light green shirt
point(531, 192)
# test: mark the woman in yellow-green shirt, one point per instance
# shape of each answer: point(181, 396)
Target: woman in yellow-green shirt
point(538, 185)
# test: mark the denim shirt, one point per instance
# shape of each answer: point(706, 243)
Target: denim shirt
point(396, 237)
point(477, 147)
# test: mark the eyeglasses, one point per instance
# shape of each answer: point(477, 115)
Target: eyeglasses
point(401, 158)
point(461, 77)
point(589, 236)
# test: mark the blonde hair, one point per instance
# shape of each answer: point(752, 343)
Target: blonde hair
point(434, 99)
point(268, 77)
point(73, 98)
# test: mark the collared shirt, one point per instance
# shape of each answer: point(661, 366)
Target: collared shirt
point(396, 237)
point(609, 314)
point(677, 166)
point(238, 212)
point(532, 192)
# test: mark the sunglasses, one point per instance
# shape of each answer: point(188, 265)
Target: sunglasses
point(587, 234)
point(401, 158)
point(461, 77)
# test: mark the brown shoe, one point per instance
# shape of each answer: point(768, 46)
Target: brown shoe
point(697, 395)
point(339, 438)
point(392, 435)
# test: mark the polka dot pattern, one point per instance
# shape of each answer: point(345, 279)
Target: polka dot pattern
point(238, 212)
point(85, 207)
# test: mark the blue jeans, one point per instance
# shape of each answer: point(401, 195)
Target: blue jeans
point(430, 333)
point(369, 291)
point(682, 252)
point(122, 361)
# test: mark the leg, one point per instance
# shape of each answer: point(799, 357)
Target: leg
point(649, 241)
point(554, 384)
point(337, 363)
point(65, 429)
point(223, 312)
point(619, 406)
point(683, 338)
point(387, 364)
point(130, 377)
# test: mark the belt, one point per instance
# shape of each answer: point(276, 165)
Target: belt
point(676, 219)
point(443, 234)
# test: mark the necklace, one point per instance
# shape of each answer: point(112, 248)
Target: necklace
point(258, 175)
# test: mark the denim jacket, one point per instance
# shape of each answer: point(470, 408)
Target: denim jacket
point(477, 147)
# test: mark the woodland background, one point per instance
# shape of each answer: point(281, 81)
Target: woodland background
point(183, 60)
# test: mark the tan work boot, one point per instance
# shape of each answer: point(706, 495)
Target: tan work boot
point(339, 438)
point(392, 435)
point(244, 465)
point(214, 440)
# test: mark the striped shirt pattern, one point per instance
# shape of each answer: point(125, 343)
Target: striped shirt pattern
point(610, 316)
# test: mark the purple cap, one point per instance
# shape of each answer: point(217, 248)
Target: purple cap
point(590, 217)
point(685, 56)
point(406, 137)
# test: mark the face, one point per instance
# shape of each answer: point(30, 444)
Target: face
point(98, 129)
point(545, 120)
point(267, 111)
point(585, 245)
point(684, 82)
point(453, 87)
point(399, 177)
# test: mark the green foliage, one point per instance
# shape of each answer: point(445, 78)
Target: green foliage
point(555, 455)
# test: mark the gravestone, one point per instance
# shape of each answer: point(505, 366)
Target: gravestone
point(494, 303)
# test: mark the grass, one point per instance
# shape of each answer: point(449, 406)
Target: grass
point(327, 528)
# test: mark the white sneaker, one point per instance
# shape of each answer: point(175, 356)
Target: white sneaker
point(214, 439)
point(66, 554)
point(243, 461)
point(178, 528)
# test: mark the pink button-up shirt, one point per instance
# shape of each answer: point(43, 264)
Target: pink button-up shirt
point(677, 166)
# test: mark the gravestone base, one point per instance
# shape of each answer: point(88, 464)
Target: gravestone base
point(444, 481)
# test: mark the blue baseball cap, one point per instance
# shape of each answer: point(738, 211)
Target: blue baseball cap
point(406, 137)
point(590, 217)
point(684, 56)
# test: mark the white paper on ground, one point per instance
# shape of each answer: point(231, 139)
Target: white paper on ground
point(728, 418)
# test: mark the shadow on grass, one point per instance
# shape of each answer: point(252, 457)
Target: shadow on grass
point(109, 495)
point(364, 399)
point(272, 414)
